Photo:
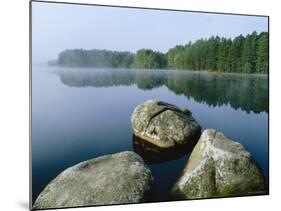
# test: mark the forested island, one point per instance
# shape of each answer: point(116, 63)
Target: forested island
point(243, 54)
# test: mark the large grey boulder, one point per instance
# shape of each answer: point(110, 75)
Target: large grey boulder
point(218, 167)
point(164, 125)
point(111, 179)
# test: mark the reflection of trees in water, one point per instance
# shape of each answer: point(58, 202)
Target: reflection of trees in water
point(247, 92)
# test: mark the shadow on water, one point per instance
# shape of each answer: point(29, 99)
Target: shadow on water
point(247, 92)
point(152, 154)
point(163, 161)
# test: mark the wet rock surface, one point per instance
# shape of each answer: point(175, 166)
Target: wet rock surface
point(152, 154)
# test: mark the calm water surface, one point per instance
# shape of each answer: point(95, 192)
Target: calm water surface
point(80, 114)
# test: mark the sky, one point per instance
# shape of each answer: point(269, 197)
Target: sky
point(56, 27)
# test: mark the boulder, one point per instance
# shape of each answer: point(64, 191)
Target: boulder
point(164, 125)
point(111, 179)
point(218, 167)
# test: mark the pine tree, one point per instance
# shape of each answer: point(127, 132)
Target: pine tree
point(262, 53)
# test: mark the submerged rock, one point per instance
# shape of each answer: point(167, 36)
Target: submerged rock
point(218, 167)
point(111, 179)
point(164, 125)
point(152, 154)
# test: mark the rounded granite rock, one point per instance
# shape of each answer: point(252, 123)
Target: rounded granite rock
point(164, 125)
point(218, 167)
point(111, 179)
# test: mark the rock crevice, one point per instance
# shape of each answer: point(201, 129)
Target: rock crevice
point(164, 125)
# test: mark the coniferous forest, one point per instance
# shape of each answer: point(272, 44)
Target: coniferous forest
point(243, 54)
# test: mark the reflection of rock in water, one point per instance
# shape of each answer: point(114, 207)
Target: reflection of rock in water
point(152, 154)
point(162, 131)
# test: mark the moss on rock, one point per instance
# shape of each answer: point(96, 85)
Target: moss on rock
point(218, 167)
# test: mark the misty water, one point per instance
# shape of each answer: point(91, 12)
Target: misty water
point(80, 114)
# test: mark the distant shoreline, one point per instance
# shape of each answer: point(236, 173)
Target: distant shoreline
point(243, 54)
point(136, 69)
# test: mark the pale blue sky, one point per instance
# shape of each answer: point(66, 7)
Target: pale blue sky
point(56, 27)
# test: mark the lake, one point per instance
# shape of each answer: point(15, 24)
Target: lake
point(80, 113)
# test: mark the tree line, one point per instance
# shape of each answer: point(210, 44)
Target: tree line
point(243, 54)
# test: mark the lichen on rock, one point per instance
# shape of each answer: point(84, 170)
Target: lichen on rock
point(164, 125)
point(111, 179)
point(218, 167)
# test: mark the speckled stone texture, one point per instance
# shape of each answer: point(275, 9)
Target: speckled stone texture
point(218, 167)
point(164, 125)
point(112, 179)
